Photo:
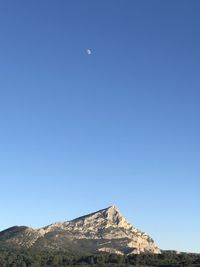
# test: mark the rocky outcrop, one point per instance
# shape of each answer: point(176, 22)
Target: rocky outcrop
point(104, 231)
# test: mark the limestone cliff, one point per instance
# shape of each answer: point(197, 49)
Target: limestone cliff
point(104, 231)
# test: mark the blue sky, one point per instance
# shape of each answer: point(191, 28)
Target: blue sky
point(80, 132)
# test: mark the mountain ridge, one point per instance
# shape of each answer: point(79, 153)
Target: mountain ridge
point(105, 230)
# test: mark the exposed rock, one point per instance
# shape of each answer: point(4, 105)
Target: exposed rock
point(105, 230)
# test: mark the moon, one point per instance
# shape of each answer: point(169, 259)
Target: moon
point(89, 51)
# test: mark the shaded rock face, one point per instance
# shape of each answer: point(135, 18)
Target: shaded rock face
point(102, 231)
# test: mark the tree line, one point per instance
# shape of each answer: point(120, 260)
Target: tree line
point(30, 258)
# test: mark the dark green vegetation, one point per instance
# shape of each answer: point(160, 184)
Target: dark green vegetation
point(30, 258)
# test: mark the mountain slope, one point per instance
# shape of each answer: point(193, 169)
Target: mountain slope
point(102, 231)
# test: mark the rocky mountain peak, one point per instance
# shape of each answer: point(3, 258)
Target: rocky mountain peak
point(105, 230)
point(105, 218)
point(113, 216)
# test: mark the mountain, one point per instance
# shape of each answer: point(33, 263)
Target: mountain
point(102, 231)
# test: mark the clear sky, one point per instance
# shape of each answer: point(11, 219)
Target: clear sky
point(79, 131)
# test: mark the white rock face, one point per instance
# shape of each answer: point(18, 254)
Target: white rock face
point(110, 250)
point(107, 229)
point(108, 224)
